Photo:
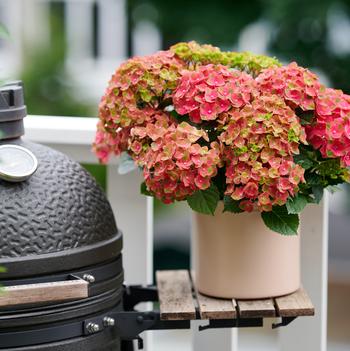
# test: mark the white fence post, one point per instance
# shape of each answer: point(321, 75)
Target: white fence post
point(79, 26)
point(310, 333)
point(112, 29)
point(134, 216)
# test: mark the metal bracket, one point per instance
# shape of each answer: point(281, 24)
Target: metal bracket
point(130, 323)
point(232, 323)
point(135, 294)
point(284, 321)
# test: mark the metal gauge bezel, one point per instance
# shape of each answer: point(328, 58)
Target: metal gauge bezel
point(18, 177)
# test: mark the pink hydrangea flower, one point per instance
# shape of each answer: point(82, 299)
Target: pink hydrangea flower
point(132, 98)
point(258, 152)
point(330, 132)
point(297, 85)
point(176, 165)
point(211, 90)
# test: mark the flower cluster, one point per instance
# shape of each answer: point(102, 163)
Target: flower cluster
point(174, 163)
point(211, 90)
point(132, 98)
point(235, 125)
point(331, 131)
point(297, 85)
point(207, 54)
point(261, 140)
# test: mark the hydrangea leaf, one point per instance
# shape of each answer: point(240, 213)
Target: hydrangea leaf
point(231, 205)
point(280, 221)
point(144, 190)
point(317, 192)
point(296, 204)
point(205, 201)
point(306, 117)
point(303, 161)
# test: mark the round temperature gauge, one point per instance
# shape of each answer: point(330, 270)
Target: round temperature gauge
point(16, 163)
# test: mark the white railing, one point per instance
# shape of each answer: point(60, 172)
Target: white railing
point(134, 215)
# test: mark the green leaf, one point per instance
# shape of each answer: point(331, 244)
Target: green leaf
point(303, 161)
point(205, 201)
point(175, 115)
point(296, 204)
point(144, 190)
point(4, 34)
point(313, 179)
point(231, 205)
point(280, 221)
point(317, 192)
point(306, 117)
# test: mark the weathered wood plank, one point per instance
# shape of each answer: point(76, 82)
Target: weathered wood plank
point(213, 308)
point(296, 304)
point(43, 292)
point(256, 308)
point(175, 295)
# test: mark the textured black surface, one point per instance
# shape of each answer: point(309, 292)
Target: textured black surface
point(61, 261)
point(107, 340)
point(62, 313)
point(59, 208)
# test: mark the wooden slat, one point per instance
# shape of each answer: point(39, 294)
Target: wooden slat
point(175, 295)
point(212, 308)
point(256, 308)
point(44, 292)
point(296, 304)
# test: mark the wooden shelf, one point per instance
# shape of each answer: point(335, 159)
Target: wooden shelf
point(179, 300)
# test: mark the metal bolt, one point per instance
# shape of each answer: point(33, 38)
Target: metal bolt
point(92, 328)
point(108, 321)
point(89, 278)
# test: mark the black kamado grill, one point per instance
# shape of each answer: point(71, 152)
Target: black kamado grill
point(59, 244)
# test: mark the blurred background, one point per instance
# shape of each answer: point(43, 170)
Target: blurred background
point(66, 51)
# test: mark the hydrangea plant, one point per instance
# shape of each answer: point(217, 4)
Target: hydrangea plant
point(208, 126)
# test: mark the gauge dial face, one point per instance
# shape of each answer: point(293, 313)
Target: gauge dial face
point(16, 163)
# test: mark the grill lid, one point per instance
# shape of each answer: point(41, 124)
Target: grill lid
point(57, 220)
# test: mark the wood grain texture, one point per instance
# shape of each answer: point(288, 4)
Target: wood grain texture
point(175, 295)
point(256, 308)
point(296, 304)
point(213, 308)
point(44, 292)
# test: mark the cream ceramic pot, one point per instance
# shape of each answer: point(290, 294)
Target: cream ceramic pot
point(237, 256)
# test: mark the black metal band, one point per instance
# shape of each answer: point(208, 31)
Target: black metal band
point(67, 260)
point(53, 333)
point(99, 272)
